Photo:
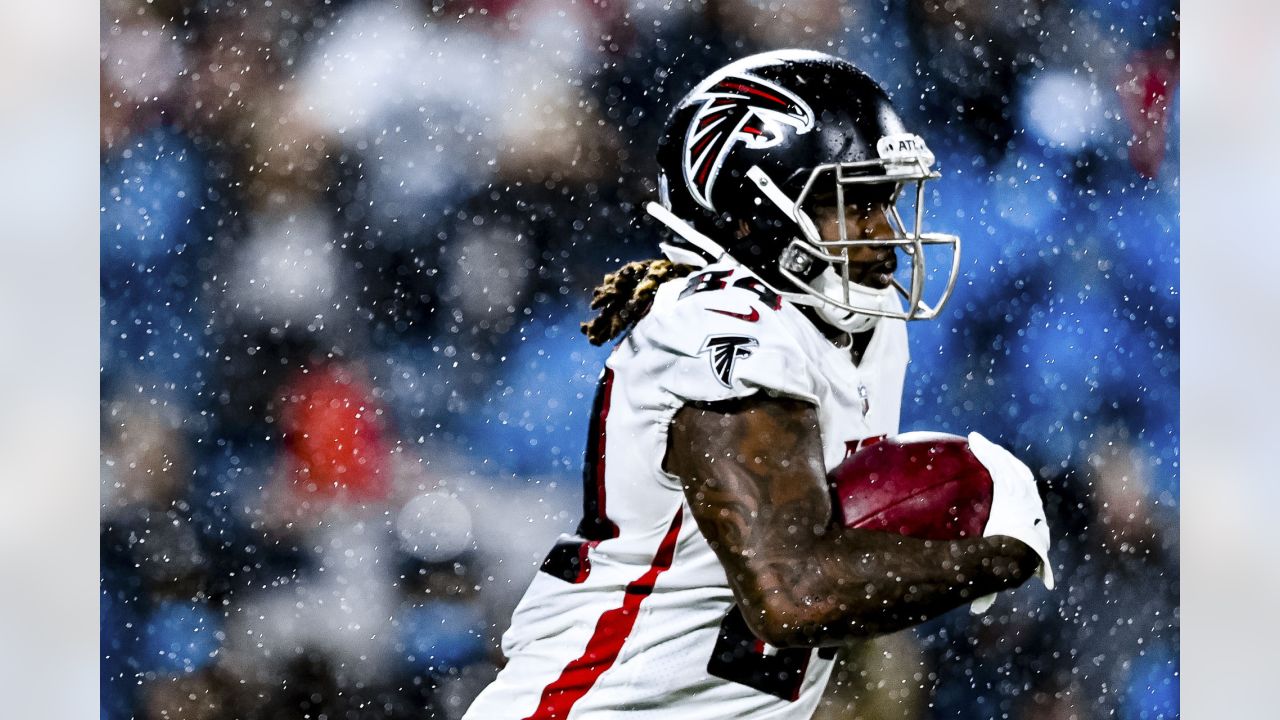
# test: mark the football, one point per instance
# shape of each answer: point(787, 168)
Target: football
point(927, 485)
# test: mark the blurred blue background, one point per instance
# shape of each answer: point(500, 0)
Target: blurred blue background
point(346, 245)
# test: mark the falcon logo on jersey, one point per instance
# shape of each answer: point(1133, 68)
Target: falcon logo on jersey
point(738, 108)
point(724, 353)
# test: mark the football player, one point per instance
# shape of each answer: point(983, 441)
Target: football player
point(707, 578)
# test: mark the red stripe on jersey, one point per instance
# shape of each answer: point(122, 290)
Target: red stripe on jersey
point(612, 630)
point(584, 562)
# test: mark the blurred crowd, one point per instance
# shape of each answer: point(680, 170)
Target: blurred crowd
point(345, 248)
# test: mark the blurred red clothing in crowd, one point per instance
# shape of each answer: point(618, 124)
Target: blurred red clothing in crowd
point(1146, 94)
point(335, 436)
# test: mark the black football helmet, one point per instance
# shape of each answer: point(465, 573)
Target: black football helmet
point(761, 136)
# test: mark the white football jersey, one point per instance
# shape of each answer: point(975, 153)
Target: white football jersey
point(632, 616)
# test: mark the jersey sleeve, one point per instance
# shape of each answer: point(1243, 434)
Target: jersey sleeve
point(720, 345)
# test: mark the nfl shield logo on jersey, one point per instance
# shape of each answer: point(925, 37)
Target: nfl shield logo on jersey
point(724, 353)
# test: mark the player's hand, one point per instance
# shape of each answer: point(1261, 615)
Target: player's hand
point(1016, 509)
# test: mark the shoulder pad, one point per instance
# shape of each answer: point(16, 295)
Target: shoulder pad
point(718, 334)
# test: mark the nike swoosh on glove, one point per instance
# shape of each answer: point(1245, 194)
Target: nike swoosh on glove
point(1016, 509)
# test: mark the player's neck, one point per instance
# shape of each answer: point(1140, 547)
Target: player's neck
point(857, 343)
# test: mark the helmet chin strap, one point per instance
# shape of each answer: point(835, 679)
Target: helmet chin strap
point(686, 231)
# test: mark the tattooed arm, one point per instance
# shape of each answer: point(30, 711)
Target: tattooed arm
point(753, 473)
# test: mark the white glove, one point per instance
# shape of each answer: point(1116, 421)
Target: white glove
point(1016, 510)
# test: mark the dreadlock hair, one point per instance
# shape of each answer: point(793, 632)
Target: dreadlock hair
point(626, 295)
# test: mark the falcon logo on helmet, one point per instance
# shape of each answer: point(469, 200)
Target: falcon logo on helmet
point(736, 109)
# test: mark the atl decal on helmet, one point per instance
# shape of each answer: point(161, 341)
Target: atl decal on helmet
point(737, 108)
